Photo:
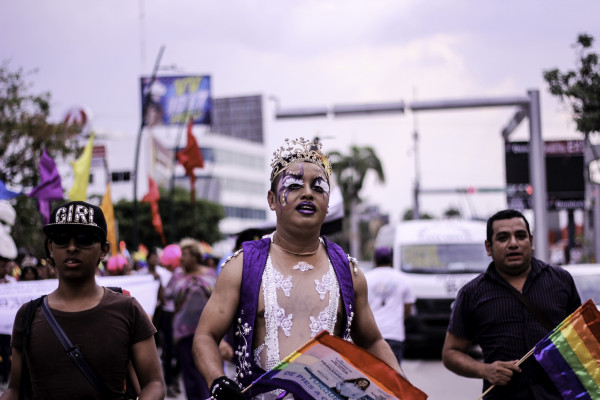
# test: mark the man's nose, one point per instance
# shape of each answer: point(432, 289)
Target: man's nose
point(72, 245)
point(307, 191)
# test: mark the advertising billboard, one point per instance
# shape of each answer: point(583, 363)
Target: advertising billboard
point(172, 100)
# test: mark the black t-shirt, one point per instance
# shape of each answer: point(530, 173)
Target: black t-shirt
point(486, 312)
point(104, 334)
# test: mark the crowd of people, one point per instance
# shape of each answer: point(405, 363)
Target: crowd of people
point(265, 300)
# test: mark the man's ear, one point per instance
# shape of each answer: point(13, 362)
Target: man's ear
point(105, 249)
point(488, 248)
point(271, 199)
point(49, 248)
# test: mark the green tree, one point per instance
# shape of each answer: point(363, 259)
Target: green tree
point(409, 215)
point(350, 171)
point(24, 133)
point(199, 222)
point(452, 212)
point(580, 88)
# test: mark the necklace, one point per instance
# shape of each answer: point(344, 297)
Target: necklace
point(308, 253)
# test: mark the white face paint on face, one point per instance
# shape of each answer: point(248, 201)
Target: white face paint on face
point(303, 192)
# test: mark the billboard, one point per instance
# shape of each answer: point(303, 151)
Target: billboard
point(172, 100)
point(565, 176)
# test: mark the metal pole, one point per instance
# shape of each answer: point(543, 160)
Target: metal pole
point(537, 173)
point(596, 189)
point(416, 188)
point(135, 233)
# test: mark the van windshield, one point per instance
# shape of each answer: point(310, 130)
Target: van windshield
point(438, 258)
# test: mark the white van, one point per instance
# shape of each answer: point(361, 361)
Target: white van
point(436, 257)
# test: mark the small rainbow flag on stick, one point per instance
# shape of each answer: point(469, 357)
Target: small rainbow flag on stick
point(328, 367)
point(570, 354)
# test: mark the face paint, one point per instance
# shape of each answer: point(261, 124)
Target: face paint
point(288, 182)
point(320, 185)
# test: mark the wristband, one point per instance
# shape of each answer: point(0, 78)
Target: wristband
point(224, 388)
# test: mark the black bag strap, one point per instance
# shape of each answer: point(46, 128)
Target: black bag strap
point(25, 391)
point(73, 351)
point(533, 309)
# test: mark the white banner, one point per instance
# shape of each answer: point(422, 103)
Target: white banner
point(12, 295)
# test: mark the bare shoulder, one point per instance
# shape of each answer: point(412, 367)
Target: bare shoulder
point(231, 259)
point(231, 271)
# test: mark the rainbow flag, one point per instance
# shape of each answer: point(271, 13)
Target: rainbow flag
point(328, 367)
point(570, 354)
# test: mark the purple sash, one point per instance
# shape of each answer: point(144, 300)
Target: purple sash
point(255, 258)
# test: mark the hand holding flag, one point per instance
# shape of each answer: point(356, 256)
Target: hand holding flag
point(570, 354)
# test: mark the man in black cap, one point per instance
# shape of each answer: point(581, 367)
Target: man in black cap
point(110, 329)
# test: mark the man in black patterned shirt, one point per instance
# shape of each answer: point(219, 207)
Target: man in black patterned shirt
point(488, 313)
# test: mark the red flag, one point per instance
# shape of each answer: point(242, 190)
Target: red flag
point(152, 197)
point(191, 157)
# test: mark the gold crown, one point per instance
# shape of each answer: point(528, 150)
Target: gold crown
point(299, 150)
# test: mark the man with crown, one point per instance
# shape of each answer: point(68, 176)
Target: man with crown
point(279, 292)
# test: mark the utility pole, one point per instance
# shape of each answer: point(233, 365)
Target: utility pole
point(135, 235)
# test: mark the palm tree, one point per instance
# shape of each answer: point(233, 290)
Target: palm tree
point(350, 171)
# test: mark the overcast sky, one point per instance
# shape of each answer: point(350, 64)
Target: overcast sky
point(310, 53)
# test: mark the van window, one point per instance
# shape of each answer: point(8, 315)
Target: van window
point(444, 258)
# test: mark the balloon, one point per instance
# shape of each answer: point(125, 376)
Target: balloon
point(171, 256)
point(116, 263)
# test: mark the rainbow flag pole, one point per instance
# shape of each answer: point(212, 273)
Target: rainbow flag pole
point(570, 354)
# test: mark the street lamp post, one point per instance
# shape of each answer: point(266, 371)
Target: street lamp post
point(146, 101)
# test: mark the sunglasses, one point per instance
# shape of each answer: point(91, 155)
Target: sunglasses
point(83, 240)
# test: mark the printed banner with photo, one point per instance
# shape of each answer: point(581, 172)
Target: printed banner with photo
point(12, 295)
point(328, 367)
point(174, 99)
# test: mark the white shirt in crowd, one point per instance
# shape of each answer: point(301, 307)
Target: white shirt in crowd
point(388, 294)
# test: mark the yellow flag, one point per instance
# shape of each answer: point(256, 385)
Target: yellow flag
point(81, 169)
point(109, 215)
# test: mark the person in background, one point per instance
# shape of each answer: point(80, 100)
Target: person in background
point(111, 329)
point(488, 310)
point(170, 258)
point(162, 275)
point(390, 298)
point(243, 236)
point(192, 294)
point(29, 273)
point(45, 270)
point(5, 268)
point(5, 350)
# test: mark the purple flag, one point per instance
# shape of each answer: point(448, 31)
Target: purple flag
point(6, 194)
point(50, 187)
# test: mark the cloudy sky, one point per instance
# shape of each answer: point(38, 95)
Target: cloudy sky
point(321, 53)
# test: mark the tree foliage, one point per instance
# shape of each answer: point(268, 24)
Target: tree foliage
point(199, 222)
point(409, 215)
point(580, 88)
point(24, 133)
point(351, 169)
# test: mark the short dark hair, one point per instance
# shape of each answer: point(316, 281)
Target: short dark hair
point(383, 256)
point(247, 235)
point(504, 214)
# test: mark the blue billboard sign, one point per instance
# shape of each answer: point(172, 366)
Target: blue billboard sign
point(172, 100)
